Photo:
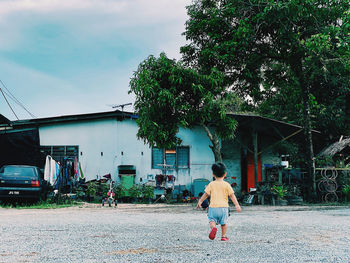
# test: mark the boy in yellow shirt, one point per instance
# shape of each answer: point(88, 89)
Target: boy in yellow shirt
point(219, 191)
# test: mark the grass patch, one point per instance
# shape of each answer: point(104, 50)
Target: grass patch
point(328, 204)
point(40, 205)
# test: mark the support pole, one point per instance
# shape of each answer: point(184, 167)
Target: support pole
point(255, 145)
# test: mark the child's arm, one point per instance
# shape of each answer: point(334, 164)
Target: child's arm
point(234, 200)
point(200, 201)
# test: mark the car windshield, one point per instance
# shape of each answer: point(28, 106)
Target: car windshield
point(17, 171)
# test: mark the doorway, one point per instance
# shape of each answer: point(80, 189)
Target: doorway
point(247, 170)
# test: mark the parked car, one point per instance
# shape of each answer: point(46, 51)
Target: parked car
point(22, 182)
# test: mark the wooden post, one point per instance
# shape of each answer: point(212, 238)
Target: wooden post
point(280, 175)
point(255, 145)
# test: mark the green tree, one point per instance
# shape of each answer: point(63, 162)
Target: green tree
point(262, 46)
point(170, 96)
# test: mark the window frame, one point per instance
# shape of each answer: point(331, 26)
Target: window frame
point(176, 166)
point(44, 149)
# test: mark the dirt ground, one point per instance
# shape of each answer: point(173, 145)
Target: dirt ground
point(174, 233)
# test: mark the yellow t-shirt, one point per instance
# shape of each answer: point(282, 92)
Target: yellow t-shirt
point(219, 192)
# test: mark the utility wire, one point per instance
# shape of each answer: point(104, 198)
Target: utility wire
point(8, 93)
point(18, 103)
point(8, 103)
point(11, 96)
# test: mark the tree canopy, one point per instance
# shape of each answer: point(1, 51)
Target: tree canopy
point(271, 52)
point(170, 95)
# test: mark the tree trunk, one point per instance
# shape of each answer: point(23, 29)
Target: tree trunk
point(308, 144)
point(309, 155)
point(255, 146)
point(215, 147)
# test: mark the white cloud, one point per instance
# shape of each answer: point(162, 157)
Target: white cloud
point(44, 95)
point(89, 18)
point(126, 12)
point(97, 27)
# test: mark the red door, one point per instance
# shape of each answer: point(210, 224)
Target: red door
point(250, 171)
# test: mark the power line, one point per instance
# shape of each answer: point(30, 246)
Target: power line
point(8, 103)
point(8, 93)
point(18, 103)
point(11, 96)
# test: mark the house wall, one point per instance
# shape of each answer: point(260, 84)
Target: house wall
point(92, 138)
point(118, 142)
point(201, 156)
point(231, 153)
point(268, 156)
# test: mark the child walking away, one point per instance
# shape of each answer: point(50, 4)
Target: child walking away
point(219, 191)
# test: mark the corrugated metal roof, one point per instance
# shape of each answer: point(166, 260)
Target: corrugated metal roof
point(4, 120)
point(264, 124)
point(245, 121)
point(78, 117)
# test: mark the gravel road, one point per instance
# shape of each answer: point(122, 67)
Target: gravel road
point(174, 233)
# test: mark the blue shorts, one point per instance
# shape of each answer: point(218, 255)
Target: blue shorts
point(219, 215)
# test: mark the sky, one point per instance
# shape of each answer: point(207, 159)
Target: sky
point(63, 57)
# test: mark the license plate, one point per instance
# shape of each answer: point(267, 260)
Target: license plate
point(13, 192)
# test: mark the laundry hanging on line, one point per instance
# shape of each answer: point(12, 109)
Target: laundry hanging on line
point(51, 171)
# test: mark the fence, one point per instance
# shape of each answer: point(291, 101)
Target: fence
point(330, 183)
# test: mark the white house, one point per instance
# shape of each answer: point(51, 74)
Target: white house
point(106, 143)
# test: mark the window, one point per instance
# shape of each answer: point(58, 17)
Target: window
point(157, 158)
point(183, 157)
point(170, 159)
point(173, 159)
point(58, 153)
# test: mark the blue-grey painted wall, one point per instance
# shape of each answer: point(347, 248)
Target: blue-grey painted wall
point(231, 156)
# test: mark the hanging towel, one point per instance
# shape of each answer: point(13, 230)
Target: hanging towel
point(52, 171)
point(57, 172)
point(76, 168)
point(47, 169)
point(81, 172)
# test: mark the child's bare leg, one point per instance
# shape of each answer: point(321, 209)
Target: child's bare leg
point(223, 230)
point(212, 224)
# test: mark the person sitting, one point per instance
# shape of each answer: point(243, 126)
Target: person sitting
point(186, 196)
point(205, 203)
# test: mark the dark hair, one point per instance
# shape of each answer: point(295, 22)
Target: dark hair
point(219, 169)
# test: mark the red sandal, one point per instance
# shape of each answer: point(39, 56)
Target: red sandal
point(224, 238)
point(212, 233)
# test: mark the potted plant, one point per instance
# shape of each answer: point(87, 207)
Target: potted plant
point(294, 195)
point(80, 192)
point(91, 191)
point(135, 192)
point(280, 191)
point(119, 190)
point(147, 193)
point(346, 192)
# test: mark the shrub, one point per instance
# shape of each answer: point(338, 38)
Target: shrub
point(103, 189)
point(118, 190)
point(346, 191)
point(294, 190)
point(280, 191)
point(80, 192)
point(91, 189)
point(147, 192)
point(135, 191)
